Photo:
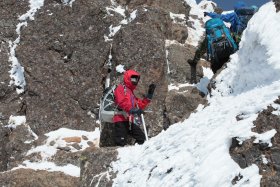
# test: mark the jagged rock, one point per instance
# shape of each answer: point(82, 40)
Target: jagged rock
point(96, 167)
point(277, 4)
point(180, 104)
point(38, 178)
point(250, 153)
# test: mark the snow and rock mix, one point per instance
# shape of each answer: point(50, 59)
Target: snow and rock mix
point(195, 152)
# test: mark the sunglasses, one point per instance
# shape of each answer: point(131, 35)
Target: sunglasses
point(134, 79)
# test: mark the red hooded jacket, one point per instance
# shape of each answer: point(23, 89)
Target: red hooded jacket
point(125, 98)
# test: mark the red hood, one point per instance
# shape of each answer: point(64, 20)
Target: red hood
point(127, 79)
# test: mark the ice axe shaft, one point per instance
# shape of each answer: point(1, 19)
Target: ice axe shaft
point(144, 126)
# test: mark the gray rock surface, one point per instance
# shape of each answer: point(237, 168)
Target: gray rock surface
point(39, 178)
point(251, 153)
point(96, 167)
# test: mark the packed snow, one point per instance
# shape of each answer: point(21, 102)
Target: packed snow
point(195, 152)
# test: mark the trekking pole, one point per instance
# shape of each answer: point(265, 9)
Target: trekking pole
point(144, 125)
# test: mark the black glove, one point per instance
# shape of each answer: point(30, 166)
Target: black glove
point(192, 62)
point(136, 111)
point(205, 14)
point(151, 90)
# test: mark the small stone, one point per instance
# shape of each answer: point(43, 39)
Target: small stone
point(77, 146)
point(90, 143)
point(52, 143)
point(64, 148)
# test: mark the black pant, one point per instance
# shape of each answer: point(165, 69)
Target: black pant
point(122, 129)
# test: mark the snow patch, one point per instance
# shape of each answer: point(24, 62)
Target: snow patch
point(120, 68)
point(68, 169)
point(15, 121)
point(55, 140)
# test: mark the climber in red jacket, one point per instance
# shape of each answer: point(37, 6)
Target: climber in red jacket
point(126, 101)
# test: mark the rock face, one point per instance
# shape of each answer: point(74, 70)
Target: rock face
point(28, 177)
point(3, 154)
point(64, 71)
point(96, 167)
point(181, 104)
point(267, 158)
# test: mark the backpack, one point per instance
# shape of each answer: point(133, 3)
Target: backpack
point(244, 14)
point(220, 44)
point(108, 108)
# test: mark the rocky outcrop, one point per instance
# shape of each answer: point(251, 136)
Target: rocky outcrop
point(180, 104)
point(64, 71)
point(96, 167)
point(267, 158)
point(28, 177)
point(277, 4)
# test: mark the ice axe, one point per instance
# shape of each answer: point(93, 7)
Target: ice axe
point(144, 127)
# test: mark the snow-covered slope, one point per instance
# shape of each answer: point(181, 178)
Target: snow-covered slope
point(196, 151)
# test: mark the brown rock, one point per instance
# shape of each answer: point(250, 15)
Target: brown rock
point(72, 139)
point(39, 178)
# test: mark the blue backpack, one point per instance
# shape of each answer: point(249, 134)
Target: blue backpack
point(220, 44)
point(244, 14)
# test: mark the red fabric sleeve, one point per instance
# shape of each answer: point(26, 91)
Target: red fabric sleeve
point(122, 99)
point(142, 103)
